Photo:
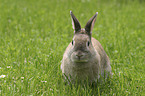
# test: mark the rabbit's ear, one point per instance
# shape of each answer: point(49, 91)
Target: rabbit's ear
point(89, 26)
point(75, 23)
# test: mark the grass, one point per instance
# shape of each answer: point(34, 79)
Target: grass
point(34, 35)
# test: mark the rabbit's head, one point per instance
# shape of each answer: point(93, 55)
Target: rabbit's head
point(81, 46)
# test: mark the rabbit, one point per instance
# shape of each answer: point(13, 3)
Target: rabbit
point(84, 58)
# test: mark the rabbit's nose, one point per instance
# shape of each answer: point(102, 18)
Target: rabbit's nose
point(79, 55)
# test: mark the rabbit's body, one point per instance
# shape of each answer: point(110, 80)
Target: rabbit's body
point(84, 58)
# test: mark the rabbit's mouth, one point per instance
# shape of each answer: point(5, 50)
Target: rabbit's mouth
point(79, 59)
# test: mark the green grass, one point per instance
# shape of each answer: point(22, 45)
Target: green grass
point(35, 33)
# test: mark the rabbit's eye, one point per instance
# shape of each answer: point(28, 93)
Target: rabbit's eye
point(88, 43)
point(72, 42)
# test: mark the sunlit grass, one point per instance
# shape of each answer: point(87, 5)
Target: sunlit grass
point(34, 35)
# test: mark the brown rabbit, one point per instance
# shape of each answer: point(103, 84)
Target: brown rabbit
point(85, 58)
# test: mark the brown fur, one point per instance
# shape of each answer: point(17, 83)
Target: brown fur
point(85, 58)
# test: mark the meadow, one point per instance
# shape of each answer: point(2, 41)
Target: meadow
point(35, 33)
